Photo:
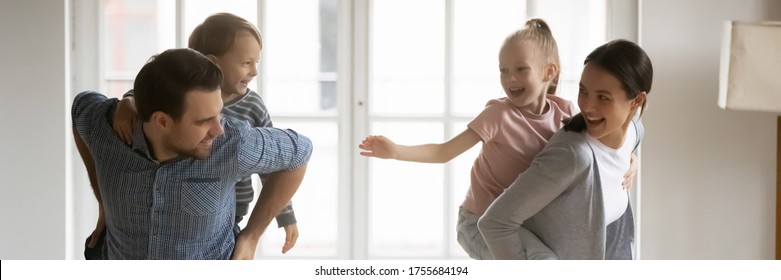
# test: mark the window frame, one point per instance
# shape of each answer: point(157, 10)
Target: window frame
point(353, 66)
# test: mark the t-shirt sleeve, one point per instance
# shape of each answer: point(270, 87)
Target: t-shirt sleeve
point(571, 109)
point(487, 123)
point(568, 108)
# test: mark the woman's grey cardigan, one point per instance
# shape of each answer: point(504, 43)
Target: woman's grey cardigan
point(559, 199)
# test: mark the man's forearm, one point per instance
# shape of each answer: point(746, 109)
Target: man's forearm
point(277, 191)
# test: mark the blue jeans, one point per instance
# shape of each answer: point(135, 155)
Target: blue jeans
point(470, 238)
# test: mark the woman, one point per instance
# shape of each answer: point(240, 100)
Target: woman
point(571, 195)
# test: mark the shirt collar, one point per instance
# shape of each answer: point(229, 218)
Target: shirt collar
point(140, 146)
point(139, 140)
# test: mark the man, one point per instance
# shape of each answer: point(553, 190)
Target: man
point(170, 194)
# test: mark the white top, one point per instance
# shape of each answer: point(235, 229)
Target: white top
point(613, 164)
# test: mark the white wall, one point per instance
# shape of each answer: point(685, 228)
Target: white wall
point(708, 175)
point(33, 91)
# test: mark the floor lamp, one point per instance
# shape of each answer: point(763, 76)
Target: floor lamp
point(750, 79)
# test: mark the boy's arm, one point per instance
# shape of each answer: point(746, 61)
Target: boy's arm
point(124, 116)
point(276, 193)
point(287, 219)
point(89, 164)
point(291, 236)
point(382, 147)
point(287, 216)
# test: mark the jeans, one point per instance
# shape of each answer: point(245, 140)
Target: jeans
point(470, 238)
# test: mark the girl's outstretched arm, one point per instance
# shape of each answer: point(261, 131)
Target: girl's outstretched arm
point(382, 147)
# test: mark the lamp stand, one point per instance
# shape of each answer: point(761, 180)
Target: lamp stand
point(778, 189)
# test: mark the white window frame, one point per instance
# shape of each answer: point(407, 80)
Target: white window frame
point(352, 89)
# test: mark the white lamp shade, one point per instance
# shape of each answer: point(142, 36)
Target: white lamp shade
point(750, 76)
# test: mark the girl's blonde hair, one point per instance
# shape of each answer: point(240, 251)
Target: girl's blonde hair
point(537, 30)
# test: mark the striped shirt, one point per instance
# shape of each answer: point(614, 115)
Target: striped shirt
point(183, 208)
point(251, 108)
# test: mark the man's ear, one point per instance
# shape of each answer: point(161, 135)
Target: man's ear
point(161, 120)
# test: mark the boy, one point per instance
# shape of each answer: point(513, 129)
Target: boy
point(234, 44)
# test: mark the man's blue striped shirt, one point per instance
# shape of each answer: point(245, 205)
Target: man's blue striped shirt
point(183, 208)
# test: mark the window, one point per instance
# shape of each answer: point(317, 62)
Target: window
point(338, 70)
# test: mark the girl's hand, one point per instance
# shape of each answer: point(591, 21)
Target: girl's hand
point(378, 146)
point(629, 177)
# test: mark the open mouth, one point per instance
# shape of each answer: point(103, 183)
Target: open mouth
point(245, 82)
point(516, 91)
point(594, 121)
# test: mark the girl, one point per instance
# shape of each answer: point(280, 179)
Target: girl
point(566, 196)
point(513, 129)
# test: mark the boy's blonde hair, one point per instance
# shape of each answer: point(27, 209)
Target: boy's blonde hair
point(537, 30)
point(215, 36)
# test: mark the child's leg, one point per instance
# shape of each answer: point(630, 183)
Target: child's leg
point(469, 236)
point(534, 247)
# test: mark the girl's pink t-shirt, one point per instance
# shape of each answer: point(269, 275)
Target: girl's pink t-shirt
point(511, 138)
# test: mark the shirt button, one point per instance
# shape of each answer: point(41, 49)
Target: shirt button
point(156, 211)
point(157, 189)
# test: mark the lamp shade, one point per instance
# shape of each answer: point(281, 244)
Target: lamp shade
point(750, 76)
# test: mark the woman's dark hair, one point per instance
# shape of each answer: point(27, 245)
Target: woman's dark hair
point(628, 63)
point(163, 82)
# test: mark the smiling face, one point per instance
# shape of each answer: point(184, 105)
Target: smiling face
point(193, 134)
point(605, 106)
point(524, 74)
point(239, 65)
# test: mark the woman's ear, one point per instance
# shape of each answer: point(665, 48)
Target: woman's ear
point(639, 100)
